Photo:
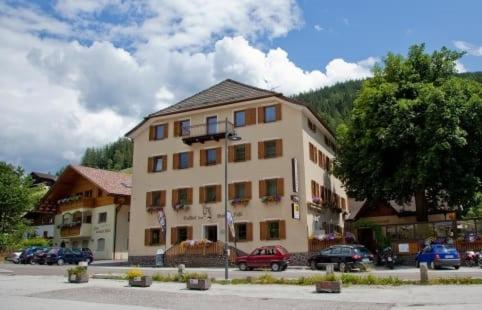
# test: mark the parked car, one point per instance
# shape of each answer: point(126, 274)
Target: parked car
point(26, 257)
point(62, 256)
point(274, 257)
point(40, 256)
point(88, 254)
point(439, 255)
point(14, 257)
point(345, 257)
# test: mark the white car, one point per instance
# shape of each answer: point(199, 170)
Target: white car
point(14, 257)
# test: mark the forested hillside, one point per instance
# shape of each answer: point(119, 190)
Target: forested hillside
point(113, 156)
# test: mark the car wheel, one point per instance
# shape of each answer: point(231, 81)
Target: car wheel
point(275, 267)
point(243, 267)
point(342, 267)
point(60, 262)
point(313, 265)
point(456, 267)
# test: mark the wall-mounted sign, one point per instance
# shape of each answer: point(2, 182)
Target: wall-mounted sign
point(294, 174)
point(295, 210)
point(403, 248)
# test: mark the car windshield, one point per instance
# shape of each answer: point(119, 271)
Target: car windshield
point(362, 250)
point(54, 251)
point(282, 250)
point(443, 248)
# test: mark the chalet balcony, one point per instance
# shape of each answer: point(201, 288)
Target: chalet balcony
point(209, 131)
point(86, 202)
point(75, 229)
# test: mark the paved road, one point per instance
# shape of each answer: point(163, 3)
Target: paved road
point(46, 293)
point(409, 273)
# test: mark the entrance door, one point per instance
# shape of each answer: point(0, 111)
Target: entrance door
point(365, 237)
point(211, 233)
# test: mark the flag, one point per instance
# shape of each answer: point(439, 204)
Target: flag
point(231, 223)
point(162, 220)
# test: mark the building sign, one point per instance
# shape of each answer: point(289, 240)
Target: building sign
point(403, 248)
point(294, 174)
point(295, 210)
point(219, 216)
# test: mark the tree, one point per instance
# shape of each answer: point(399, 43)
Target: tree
point(113, 156)
point(17, 196)
point(414, 131)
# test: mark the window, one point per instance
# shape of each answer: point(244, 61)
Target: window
point(210, 192)
point(271, 187)
point(182, 195)
point(273, 230)
point(240, 190)
point(100, 244)
point(183, 160)
point(240, 118)
point(211, 233)
point(239, 153)
point(158, 164)
point(182, 234)
point(102, 217)
point(212, 125)
point(185, 127)
point(155, 236)
point(270, 114)
point(157, 199)
point(311, 126)
point(241, 230)
point(270, 149)
point(211, 157)
point(88, 193)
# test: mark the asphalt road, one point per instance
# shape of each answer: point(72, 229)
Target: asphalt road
point(409, 273)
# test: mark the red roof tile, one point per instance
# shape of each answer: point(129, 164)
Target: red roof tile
point(116, 183)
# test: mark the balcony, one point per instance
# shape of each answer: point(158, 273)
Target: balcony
point(201, 133)
point(77, 204)
point(75, 230)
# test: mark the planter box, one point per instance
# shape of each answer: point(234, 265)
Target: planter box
point(328, 287)
point(79, 278)
point(144, 281)
point(195, 284)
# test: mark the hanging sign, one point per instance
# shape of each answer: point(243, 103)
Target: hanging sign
point(295, 210)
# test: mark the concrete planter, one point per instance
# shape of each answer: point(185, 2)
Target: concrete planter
point(328, 287)
point(196, 284)
point(79, 278)
point(144, 281)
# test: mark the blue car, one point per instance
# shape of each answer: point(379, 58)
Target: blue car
point(62, 256)
point(439, 255)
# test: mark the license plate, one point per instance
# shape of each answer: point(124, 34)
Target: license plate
point(365, 260)
point(449, 256)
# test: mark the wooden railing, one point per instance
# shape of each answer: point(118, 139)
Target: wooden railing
point(70, 231)
point(315, 245)
point(201, 249)
point(82, 203)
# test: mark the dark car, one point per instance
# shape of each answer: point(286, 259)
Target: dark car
point(27, 255)
point(62, 256)
point(439, 255)
point(88, 254)
point(275, 257)
point(345, 257)
point(40, 256)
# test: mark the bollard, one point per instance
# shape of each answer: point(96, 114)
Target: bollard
point(423, 273)
point(181, 268)
point(330, 269)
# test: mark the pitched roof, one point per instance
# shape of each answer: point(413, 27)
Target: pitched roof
point(43, 175)
point(227, 91)
point(115, 183)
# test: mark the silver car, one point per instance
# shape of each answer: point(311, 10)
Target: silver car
point(14, 257)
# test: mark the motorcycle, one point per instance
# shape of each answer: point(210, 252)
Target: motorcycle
point(387, 258)
point(472, 258)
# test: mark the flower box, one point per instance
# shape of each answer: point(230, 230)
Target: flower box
point(142, 281)
point(328, 287)
point(271, 199)
point(239, 202)
point(78, 275)
point(180, 206)
point(198, 284)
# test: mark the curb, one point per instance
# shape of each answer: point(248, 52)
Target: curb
point(5, 272)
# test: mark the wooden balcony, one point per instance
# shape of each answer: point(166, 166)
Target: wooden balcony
point(205, 132)
point(72, 231)
point(78, 204)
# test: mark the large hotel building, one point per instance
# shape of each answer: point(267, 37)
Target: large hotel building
point(280, 189)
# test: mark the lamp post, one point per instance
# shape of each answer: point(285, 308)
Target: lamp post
point(233, 137)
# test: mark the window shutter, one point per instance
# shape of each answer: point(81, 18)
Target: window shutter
point(262, 188)
point(280, 186)
point(250, 116)
point(162, 238)
point(189, 232)
point(173, 235)
point(150, 164)
point(279, 147)
point(320, 159)
point(149, 199)
point(231, 191)
point(249, 231)
point(328, 165)
point(175, 161)
point(177, 128)
point(202, 158)
point(174, 197)
point(166, 130)
point(147, 237)
point(263, 231)
point(152, 133)
point(278, 112)
point(163, 198)
point(247, 151)
point(247, 189)
point(189, 195)
point(191, 159)
point(260, 115)
point(231, 153)
point(201, 194)
point(218, 193)
point(313, 188)
point(260, 150)
point(218, 155)
point(282, 229)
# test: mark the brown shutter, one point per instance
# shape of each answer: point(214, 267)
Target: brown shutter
point(260, 115)
point(247, 151)
point(166, 130)
point(278, 112)
point(247, 189)
point(164, 162)
point(320, 159)
point(150, 164)
point(280, 186)
point(173, 235)
point(189, 196)
point(218, 193)
point(175, 161)
point(231, 153)
point(152, 133)
point(177, 128)
point(282, 229)
point(218, 155)
point(201, 194)
point(189, 232)
point(260, 150)
point(149, 199)
point(263, 231)
point(279, 147)
point(163, 198)
point(231, 191)
point(250, 116)
point(327, 161)
point(262, 188)
point(174, 197)
point(191, 159)
point(249, 231)
point(147, 237)
point(202, 158)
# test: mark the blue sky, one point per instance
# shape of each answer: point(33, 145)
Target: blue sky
point(77, 74)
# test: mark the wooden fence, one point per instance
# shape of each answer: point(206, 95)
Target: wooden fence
point(315, 245)
point(199, 249)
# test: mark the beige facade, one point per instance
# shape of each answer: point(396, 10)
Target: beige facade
point(266, 222)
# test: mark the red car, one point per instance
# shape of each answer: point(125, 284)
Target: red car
point(275, 257)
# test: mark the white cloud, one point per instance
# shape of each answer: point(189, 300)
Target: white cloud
point(460, 67)
point(318, 27)
point(471, 49)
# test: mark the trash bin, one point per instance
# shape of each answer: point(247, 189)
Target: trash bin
point(160, 258)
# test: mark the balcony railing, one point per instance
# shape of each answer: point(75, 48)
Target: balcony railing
point(75, 229)
point(204, 132)
point(81, 203)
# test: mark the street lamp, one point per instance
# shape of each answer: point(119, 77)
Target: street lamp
point(233, 137)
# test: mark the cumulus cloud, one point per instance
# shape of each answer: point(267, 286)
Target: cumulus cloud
point(460, 67)
point(470, 48)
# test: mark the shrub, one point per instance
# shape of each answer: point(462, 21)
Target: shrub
point(37, 241)
point(79, 270)
point(134, 273)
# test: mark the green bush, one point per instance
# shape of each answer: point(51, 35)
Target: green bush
point(77, 270)
point(37, 241)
